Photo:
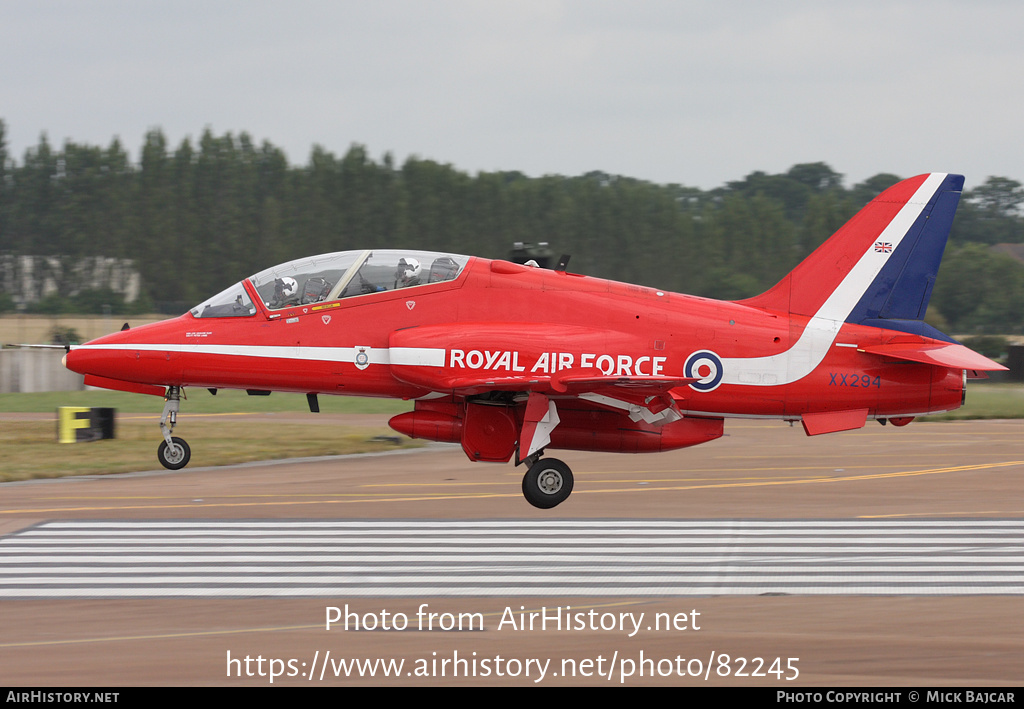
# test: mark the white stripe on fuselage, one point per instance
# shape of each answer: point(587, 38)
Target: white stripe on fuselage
point(415, 356)
point(803, 357)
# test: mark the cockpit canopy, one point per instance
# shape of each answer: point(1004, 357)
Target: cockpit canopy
point(327, 277)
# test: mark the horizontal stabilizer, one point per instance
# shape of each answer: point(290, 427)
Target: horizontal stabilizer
point(831, 421)
point(941, 354)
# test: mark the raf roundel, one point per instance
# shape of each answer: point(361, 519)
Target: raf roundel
point(707, 367)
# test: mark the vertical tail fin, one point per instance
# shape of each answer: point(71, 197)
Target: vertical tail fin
point(879, 268)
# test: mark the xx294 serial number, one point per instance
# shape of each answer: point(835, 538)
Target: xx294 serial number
point(862, 381)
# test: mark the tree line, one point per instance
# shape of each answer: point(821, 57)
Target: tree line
point(199, 216)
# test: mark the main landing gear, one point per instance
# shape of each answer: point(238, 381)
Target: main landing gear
point(547, 482)
point(173, 452)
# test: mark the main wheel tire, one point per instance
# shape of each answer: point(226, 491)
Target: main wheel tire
point(547, 483)
point(175, 456)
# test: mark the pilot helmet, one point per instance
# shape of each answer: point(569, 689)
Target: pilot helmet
point(408, 270)
point(285, 287)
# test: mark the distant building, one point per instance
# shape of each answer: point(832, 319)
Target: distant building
point(28, 279)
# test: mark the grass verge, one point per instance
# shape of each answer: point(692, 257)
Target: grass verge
point(198, 401)
point(30, 449)
point(984, 401)
point(987, 401)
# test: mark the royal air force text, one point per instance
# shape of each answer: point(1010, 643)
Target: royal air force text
point(551, 362)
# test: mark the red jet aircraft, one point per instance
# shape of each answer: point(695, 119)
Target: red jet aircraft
point(511, 359)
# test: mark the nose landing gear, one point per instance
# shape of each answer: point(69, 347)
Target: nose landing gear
point(173, 452)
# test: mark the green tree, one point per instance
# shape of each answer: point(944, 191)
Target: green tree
point(980, 291)
point(990, 214)
point(818, 176)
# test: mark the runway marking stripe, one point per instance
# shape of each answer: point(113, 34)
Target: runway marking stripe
point(505, 589)
point(412, 540)
point(488, 558)
point(201, 537)
point(463, 564)
point(453, 557)
point(518, 524)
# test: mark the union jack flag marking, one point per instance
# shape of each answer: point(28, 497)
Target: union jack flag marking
point(883, 247)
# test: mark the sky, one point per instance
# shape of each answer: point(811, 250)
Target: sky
point(669, 91)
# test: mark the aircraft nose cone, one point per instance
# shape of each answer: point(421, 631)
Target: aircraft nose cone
point(73, 360)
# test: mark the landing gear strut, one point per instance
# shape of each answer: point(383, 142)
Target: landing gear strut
point(547, 483)
point(173, 452)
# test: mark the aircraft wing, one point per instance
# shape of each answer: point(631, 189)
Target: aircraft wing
point(581, 382)
point(572, 384)
point(642, 398)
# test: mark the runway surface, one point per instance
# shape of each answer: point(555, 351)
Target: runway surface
point(876, 557)
point(411, 558)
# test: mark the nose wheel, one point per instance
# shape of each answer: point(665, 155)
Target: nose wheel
point(547, 483)
point(173, 453)
point(174, 456)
